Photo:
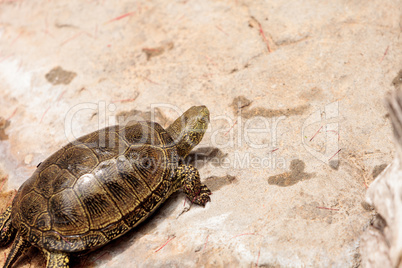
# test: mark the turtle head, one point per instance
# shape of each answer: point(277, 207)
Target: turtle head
point(187, 131)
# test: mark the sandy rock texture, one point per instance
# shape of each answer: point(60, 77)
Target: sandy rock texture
point(382, 242)
point(298, 127)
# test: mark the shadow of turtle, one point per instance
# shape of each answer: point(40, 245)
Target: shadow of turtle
point(295, 175)
point(204, 155)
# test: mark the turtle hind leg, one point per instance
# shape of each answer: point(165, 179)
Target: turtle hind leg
point(18, 248)
point(7, 231)
point(57, 259)
point(189, 177)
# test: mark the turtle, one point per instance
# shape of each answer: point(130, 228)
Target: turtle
point(98, 187)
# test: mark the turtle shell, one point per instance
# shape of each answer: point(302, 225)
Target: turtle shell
point(96, 188)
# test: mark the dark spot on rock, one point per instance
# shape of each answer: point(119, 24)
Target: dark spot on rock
point(378, 169)
point(264, 112)
point(156, 51)
point(234, 70)
point(334, 164)
point(357, 259)
point(239, 103)
point(240, 106)
point(215, 183)
point(366, 206)
point(60, 25)
point(58, 76)
point(126, 118)
point(292, 177)
point(3, 125)
point(198, 158)
point(397, 80)
point(313, 93)
point(314, 211)
point(379, 222)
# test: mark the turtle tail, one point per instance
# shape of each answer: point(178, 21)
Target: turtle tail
point(7, 231)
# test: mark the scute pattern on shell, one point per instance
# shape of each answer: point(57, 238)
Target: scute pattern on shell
point(96, 188)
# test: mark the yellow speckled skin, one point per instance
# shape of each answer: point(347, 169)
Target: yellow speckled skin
point(6, 229)
point(100, 186)
point(57, 260)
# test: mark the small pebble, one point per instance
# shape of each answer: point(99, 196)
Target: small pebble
point(28, 159)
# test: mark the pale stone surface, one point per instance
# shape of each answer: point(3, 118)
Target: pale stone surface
point(324, 83)
point(382, 242)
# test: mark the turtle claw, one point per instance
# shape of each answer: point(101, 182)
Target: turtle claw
point(202, 200)
point(203, 197)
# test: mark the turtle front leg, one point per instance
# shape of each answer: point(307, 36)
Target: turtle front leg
point(190, 181)
point(57, 259)
point(7, 231)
